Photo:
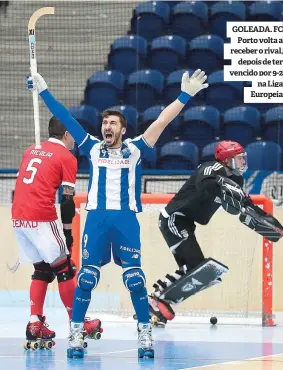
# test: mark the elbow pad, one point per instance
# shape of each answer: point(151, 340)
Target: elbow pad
point(67, 208)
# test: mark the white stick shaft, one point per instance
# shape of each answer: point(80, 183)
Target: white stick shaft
point(33, 65)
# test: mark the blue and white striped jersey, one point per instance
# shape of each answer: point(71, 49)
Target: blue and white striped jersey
point(115, 174)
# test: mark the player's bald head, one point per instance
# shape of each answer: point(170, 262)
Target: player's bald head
point(56, 129)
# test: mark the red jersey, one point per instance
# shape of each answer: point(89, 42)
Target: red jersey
point(41, 173)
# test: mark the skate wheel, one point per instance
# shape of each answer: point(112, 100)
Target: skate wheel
point(154, 320)
point(34, 345)
point(27, 345)
point(75, 352)
point(145, 353)
point(53, 343)
point(97, 336)
point(85, 344)
point(48, 345)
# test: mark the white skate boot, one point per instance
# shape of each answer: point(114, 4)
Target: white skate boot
point(145, 341)
point(76, 340)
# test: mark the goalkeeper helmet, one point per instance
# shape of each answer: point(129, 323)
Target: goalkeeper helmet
point(233, 155)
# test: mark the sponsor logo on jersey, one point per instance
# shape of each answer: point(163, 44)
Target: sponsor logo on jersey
point(136, 255)
point(207, 171)
point(113, 163)
point(25, 224)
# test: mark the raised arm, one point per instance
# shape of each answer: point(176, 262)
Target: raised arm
point(57, 109)
point(190, 86)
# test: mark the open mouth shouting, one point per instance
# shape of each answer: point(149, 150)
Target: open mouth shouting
point(108, 137)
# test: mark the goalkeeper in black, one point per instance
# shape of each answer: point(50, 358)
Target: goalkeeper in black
point(214, 184)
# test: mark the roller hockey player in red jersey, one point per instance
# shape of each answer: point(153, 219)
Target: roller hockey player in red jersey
point(40, 237)
point(213, 184)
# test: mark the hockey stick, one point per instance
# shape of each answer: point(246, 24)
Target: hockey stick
point(33, 65)
point(13, 268)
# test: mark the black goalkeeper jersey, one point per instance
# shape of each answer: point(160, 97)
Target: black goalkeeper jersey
point(199, 198)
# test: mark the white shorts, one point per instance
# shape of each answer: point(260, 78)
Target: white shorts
point(40, 241)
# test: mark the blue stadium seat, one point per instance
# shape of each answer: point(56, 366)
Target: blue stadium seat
point(150, 19)
point(189, 19)
point(128, 54)
point(178, 155)
point(206, 53)
point(150, 115)
point(104, 89)
point(144, 88)
point(173, 86)
point(265, 11)
point(224, 11)
point(223, 94)
point(207, 153)
point(171, 3)
point(132, 116)
point(167, 53)
point(264, 155)
point(241, 124)
point(88, 117)
point(201, 125)
point(273, 125)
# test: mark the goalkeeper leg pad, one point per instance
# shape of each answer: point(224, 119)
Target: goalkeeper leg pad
point(203, 276)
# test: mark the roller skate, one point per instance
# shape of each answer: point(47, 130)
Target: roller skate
point(92, 330)
point(76, 340)
point(160, 312)
point(38, 336)
point(145, 341)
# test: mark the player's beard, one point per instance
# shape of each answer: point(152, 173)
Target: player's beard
point(114, 140)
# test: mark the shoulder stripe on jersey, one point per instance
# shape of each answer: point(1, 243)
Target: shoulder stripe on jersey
point(135, 138)
point(146, 143)
point(209, 169)
point(87, 135)
point(143, 139)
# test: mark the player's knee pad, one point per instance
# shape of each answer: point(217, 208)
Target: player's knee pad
point(88, 278)
point(134, 279)
point(43, 272)
point(66, 271)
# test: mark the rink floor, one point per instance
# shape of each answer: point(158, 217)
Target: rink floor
point(178, 346)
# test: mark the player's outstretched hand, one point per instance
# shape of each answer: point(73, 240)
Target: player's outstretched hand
point(192, 85)
point(36, 83)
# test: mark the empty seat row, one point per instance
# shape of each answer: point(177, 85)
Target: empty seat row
point(166, 53)
point(201, 125)
point(190, 19)
point(142, 88)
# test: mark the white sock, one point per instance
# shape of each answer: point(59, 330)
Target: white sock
point(77, 325)
point(33, 318)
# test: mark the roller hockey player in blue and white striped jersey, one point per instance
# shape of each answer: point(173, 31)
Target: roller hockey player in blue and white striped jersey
point(113, 200)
